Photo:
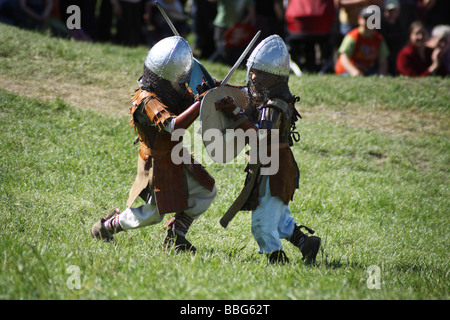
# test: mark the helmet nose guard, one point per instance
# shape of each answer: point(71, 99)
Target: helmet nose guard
point(172, 60)
point(270, 55)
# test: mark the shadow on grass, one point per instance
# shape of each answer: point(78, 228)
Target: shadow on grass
point(323, 259)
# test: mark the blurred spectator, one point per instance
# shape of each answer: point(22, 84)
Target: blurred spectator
point(438, 13)
point(230, 13)
point(363, 51)
point(33, 14)
point(7, 12)
point(156, 24)
point(309, 24)
point(409, 13)
point(392, 32)
point(440, 37)
point(270, 18)
point(104, 21)
point(204, 12)
point(36, 13)
point(88, 22)
point(349, 12)
point(419, 60)
point(129, 21)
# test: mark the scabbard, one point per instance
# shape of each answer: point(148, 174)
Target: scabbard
point(242, 198)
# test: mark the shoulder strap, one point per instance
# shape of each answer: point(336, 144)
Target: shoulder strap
point(288, 107)
point(280, 104)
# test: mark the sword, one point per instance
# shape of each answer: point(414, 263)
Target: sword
point(197, 64)
point(242, 57)
point(240, 200)
point(238, 62)
point(166, 17)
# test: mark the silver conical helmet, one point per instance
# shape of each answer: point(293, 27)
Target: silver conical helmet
point(270, 55)
point(172, 60)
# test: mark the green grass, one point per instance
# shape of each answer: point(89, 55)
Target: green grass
point(374, 196)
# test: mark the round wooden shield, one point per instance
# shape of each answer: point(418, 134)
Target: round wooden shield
point(222, 142)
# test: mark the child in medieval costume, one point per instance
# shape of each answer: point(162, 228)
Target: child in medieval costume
point(271, 106)
point(161, 105)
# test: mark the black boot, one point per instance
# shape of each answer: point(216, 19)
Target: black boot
point(175, 240)
point(278, 256)
point(308, 245)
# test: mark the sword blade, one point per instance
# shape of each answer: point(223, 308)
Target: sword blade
point(166, 17)
point(242, 57)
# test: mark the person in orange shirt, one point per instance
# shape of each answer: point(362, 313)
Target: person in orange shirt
point(363, 50)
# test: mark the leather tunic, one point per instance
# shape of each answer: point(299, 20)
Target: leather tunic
point(157, 175)
point(286, 180)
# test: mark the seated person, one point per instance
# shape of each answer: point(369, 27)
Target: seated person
point(393, 32)
point(417, 59)
point(349, 11)
point(440, 38)
point(363, 50)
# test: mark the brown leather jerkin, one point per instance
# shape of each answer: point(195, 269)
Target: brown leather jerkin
point(157, 173)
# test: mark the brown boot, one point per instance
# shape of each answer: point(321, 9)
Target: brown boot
point(100, 231)
point(308, 245)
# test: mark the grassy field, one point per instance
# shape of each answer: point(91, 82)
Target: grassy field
point(374, 161)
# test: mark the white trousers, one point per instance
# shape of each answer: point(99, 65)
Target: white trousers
point(200, 198)
point(271, 221)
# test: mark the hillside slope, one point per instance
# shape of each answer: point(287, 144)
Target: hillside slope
point(374, 161)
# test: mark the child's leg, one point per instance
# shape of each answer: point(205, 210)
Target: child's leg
point(271, 221)
point(139, 217)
